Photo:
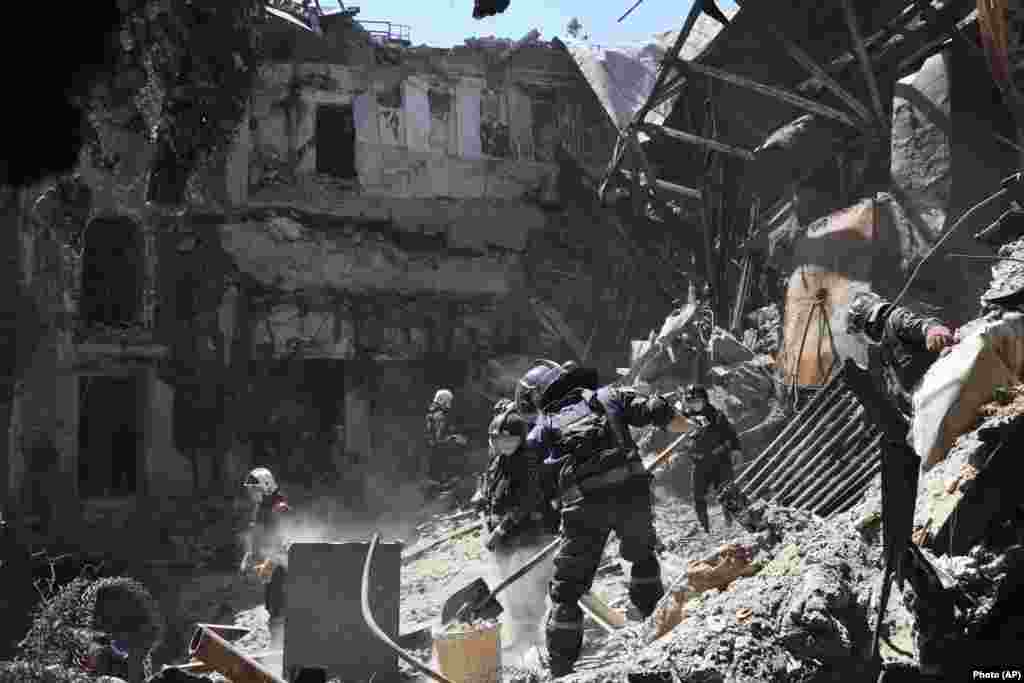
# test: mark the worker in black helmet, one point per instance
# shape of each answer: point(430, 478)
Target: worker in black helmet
point(715, 445)
point(603, 486)
point(908, 342)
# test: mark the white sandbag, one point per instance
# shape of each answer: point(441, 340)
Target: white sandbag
point(947, 401)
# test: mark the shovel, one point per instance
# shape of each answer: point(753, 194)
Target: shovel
point(476, 601)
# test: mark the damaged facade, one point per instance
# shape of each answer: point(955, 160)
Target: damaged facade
point(387, 222)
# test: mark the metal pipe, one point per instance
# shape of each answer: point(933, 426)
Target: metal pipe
point(802, 420)
point(842, 483)
point(798, 423)
point(750, 476)
point(376, 630)
point(829, 416)
point(854, 448)
point(795, 473)
point(848, 497)
point(853, 24)
point(218, 654)
point(806, 476)
point(809, 449)
point(849, 467)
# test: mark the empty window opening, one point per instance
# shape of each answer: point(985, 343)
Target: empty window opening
point(112, 272)
point(335, 141)
point(109, 436)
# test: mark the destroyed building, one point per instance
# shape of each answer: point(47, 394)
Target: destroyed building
point(390, 220)
point(395, 219)
point(798, 169)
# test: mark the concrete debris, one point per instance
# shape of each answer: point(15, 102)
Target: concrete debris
point(765, 334)
point(727, 350)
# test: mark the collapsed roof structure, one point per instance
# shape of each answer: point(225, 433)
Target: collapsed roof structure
point(748, 106)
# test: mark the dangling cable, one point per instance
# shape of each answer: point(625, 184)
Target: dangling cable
point(967, 214)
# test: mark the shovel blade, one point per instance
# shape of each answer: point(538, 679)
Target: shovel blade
point(465, 599)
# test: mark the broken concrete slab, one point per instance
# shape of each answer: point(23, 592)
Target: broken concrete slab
point(727, 350)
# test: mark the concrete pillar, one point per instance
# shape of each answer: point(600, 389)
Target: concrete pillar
point(467, 109)
point(520, 123)
point(416, 105)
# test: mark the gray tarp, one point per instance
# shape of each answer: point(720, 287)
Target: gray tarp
point(623, 77)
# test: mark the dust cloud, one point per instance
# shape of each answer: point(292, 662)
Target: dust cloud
point(392, 509)
point(525, 601)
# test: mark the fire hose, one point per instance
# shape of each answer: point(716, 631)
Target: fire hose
point(376, 630)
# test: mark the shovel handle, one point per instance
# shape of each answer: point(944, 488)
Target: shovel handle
point(667, 451)
point(519, 573)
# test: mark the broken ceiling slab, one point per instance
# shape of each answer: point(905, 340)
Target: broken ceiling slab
point(360, 262)
point(467, 223)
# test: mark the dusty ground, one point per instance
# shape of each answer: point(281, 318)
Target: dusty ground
point(428, 581)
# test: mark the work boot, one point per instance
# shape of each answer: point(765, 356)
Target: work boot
point(702, 516)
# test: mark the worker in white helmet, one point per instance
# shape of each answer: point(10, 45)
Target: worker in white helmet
point(265, 545)
point(443, 444)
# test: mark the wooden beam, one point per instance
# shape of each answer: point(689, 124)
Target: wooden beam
point(896, 26)
point(861, 51)
point(683, 136)
point(812, 67)
point(680, 190)
point(772, 91)
point(670, 90)
point(673, 54)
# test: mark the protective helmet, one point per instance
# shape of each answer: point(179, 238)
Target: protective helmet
point(260, 482)
point(696, 392)
point(444, 398)
point(864, 311)
point(537, 380)
point(501, 406)
point(506, 432)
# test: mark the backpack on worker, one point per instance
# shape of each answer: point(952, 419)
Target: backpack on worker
point(591, 439)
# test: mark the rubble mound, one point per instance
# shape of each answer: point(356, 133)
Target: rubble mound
point(798, 609)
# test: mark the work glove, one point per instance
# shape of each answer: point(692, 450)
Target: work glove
point(938, 338)
point(459, 439)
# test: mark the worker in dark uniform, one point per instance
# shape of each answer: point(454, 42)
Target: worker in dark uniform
point(908, 343)
point(266, 548)
point(519, 512)
point(517, 491)
point(715, 447)
point(603, 486)
point(443, 444)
